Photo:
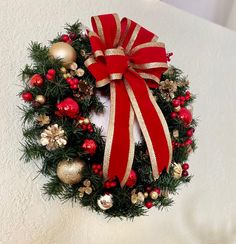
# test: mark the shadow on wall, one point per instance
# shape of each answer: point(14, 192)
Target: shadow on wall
point(217, 11)
point(208, 233)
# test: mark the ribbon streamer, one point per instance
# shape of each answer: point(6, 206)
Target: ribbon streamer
point(129, 58)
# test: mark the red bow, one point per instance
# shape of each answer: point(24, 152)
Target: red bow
point(129, 58)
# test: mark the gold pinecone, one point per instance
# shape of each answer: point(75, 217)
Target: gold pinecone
point(167, 89)
point(53, 137)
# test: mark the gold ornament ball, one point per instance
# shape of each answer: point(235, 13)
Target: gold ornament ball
point(70, 171)
point(153, 195)
point(40, 99)
point(63, 51)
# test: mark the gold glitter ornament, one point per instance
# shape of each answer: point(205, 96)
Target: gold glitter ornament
point(137, 197)
point(43, 119)
point(63, 51)
point(79, 72)
point(153, 195)
point(70, 171)
point(53, 137)
point(105, 201)
point(177, 170)
point(40, 99)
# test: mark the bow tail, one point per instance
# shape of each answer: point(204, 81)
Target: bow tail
point(119, 149)
point(151, 121)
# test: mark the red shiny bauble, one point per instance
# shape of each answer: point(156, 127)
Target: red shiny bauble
point(68, 107)
point(175, 103)
point(89, 146)
point(36, 80)
point(185, 115)
point(148, 204)
point(27, 96)
point(132, 179)
point(185, 166)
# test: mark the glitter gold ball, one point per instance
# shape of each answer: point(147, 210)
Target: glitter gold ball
point(70, 171)
point(63, 51)
point(40, 99)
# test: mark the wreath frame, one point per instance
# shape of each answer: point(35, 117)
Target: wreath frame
point(58, 89)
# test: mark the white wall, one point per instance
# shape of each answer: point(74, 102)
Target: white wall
point(204, 212)
point(217, 11)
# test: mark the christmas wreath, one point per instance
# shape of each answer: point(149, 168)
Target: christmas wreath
point(62, 88)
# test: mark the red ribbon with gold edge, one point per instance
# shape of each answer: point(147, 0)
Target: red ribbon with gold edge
point(129, 58)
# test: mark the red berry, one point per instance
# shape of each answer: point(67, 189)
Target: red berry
point(185, 173)
point(52, 72)
point(173, 115)
point(96, 171)
point(99, 166)
point(189, 132)
point(27, 96)
point(69, 41)
point(72, 36)
point(113, 184)
point(94, 166)
point(148, 204)
point(158, 190)
point(75, 81)
point(188, 142)
point(175, 103)
point(182, 98)
point(188, 93)
point(187, 97)
point(84, 127)
point(49, 77)
point(177, 144)
point(65, 38)
point(100, 173)
point(107, 184)
point(73, 86)
point(69, 81)
point(182, 103)
point(148, 188)
point(185, 166)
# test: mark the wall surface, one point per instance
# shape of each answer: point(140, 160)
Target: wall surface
point(204, 212)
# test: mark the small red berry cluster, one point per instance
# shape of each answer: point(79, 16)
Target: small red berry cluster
point(72, 82)
point(97, 169)
point(185, 168)
point(148, 195)
point(68, 38)
point(85, 124)
point(168, 55)
point(51, 74)
point(111, 183)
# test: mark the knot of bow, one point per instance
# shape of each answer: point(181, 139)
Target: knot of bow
point(128, 58)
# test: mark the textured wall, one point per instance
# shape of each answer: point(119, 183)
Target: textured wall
point(204, 212)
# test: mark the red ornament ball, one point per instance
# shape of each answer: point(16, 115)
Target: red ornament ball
point(132, 179)
point(36, 80)
point(185, 115)
point(27, 96)
point(149, 204)
point(89, 146)
point(185, 166)
point(68, 107)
